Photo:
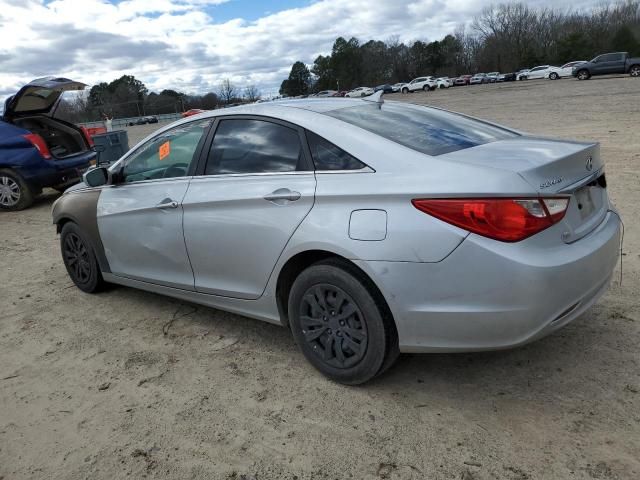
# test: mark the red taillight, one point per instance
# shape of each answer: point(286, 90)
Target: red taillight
point(87, 136)
point(38, 142)
point(504, 219)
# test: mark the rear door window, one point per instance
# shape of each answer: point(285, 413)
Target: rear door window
point(244, 146)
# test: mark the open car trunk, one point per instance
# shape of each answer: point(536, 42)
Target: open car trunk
point(63, 140)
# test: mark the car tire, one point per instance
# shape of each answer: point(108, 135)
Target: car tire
point(405, 91)
point(80, 259)
point(350, 342)
point(425, 88)
point(583, 75)
point(634, 71)
point(554, 76)
point(15, 193)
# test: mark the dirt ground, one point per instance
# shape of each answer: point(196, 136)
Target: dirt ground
point(132, 384)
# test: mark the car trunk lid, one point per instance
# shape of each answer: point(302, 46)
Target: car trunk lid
point(552, 168)
point(40, 96)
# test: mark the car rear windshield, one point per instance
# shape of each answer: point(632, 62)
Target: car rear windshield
point(427, 130)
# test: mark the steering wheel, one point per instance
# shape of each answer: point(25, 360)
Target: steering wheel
point(176, 170)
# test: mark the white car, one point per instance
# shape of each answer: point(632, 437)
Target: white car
point(567, 68)
point(420, 83)
point(397, 86)
point(325, 93)
point(522, 74)
point(444, 82)
point(544, 71)
point(360, 92)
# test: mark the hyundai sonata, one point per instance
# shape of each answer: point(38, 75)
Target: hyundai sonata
point(367, 228)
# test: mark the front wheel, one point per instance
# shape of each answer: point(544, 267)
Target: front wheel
point(583, 75)
point(634, 71)
point(554, 76)
point(80, 259)
point(405, 91)
point(15, 193)
point(339, 323)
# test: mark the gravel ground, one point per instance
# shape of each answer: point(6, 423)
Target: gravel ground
point(131, 384)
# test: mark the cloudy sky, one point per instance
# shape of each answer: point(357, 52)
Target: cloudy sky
point(190, 45)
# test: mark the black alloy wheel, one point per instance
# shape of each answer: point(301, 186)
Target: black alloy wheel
point(341, 322)
point(333, 326)
point(79, 259)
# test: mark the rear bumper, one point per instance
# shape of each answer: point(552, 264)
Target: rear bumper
point(488, 295)
point(54, 173)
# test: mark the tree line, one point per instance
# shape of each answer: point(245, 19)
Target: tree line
point(505, 38)
point(127, 97)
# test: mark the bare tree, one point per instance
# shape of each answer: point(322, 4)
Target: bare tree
point(251, 93)
point(227, 91)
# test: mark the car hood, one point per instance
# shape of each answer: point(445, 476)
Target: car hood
point(39, 96)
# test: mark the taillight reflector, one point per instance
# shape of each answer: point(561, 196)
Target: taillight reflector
point(38, 142)
point(504, 219)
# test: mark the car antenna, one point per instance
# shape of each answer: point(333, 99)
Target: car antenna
point(375, 98)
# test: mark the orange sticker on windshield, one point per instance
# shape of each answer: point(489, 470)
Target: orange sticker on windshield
point(164, 150)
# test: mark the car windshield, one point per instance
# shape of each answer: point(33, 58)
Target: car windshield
point(426, 130)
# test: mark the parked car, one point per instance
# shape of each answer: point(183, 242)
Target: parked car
point(397, 87)
point(340, 93)
point(360, 92)
point(420, 83)
point(192, 111)
point(38, 150)
point(608, 63)
point(462, 80)
point(544, 71)
point(478, 78)
point(326, 93)
point(386, 88)
point(507, 77)
point(144, 120)
point(444, 82)
point(567, 68)
point(346, 253)
point(492, 77)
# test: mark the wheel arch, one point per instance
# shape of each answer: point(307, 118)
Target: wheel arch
point(80, 207)
point(302, 260)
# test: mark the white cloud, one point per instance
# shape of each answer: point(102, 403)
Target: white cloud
point(177, 44)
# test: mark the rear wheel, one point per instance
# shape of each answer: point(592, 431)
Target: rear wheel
point(634, 71)
point(80, 259)
point(425, 88)
point(583, 75)
point(405, 90)
point(15, 193)
point(339, 323)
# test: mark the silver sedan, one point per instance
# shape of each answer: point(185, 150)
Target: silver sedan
point(368, 228)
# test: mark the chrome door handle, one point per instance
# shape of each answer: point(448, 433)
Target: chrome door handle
point(282, 195)
point(167, 203)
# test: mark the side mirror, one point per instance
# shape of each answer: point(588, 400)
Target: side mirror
point(97, 177)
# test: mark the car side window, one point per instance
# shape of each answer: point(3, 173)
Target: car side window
point(326, 156)
point(254, 146)
point(167, 155)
